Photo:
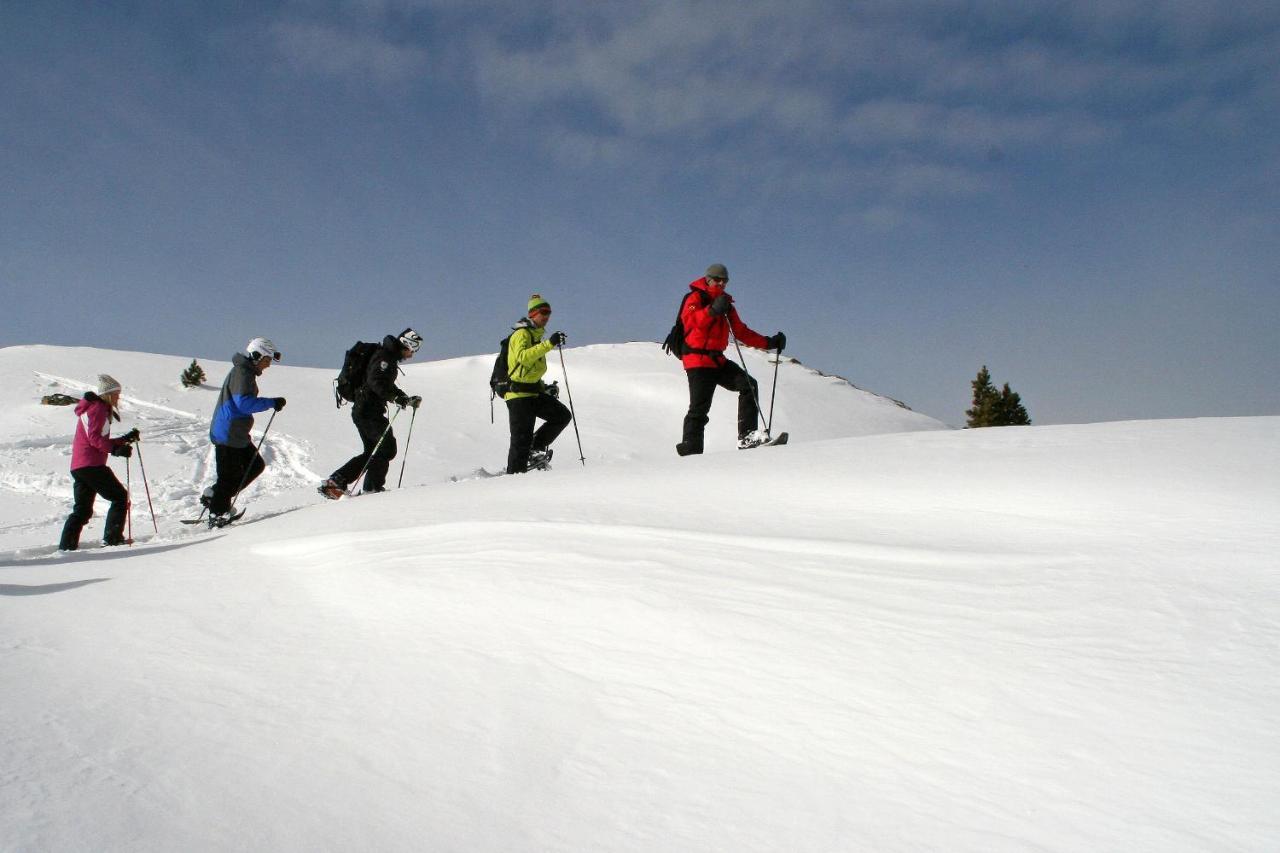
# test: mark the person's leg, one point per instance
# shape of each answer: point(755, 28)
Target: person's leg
point(229, 468)
point(81, 512)
point(734, 378)
point(702, 387)
point(375, 477)
point(237, 467)
point(254, 464)
point(556, 417)
point(106, 484)
point(369, 426)
point(521, 414)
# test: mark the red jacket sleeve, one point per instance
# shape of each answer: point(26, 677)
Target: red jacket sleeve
point(744, 334)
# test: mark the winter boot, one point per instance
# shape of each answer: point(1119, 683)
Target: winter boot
point(755, 438)
point(539, 459)
point(684, 448)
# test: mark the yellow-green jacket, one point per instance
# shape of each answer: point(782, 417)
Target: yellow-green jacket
point(526, 357)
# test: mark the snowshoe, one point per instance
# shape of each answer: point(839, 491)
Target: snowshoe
point(539, 459)
point(331, 490)
point(224, 519)
point(760, 439)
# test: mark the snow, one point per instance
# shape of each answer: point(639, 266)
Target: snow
point(883, 636)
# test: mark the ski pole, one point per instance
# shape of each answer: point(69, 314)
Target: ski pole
point(773, 393)
point(128, 498)
point(141, 465)
point(351, 489)
point(755, 396)
point(231, 510)
point(572, 415)
point(407, 439)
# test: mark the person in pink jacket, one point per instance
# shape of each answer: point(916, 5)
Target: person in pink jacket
point(89, 472)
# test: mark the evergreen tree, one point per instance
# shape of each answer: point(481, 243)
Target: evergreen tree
point(985, 400)
point(995, 408)
point(1011, 410)
point(193, 375)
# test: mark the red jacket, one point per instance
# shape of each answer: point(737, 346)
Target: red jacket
point(705, 331)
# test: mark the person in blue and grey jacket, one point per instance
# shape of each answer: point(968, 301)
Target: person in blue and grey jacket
point(238, 461)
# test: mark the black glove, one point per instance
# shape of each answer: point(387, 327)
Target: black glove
point(557, 338)
point(415, 401)
point(720, 306)
point(402, 399)
point(125, 450)
point(131, 436)
point(778, 342)
point(277, 403)
point(553, 390)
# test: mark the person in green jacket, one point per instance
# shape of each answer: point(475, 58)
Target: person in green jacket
point(530, 398)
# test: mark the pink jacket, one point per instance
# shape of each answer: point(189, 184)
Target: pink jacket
point(93, 441)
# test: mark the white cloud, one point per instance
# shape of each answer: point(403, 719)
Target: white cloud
point(328, 50)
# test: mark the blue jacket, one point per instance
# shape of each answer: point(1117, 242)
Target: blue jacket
point(237, 403)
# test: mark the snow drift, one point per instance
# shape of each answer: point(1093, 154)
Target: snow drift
point(1056, 638)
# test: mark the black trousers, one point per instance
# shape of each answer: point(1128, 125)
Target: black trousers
point(87, 484)
point(522, 414)
point(233, 464)
point(702, 386)
point(370, 425)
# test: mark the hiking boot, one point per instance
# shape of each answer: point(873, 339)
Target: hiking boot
point(331, 489)
point(686, 449)
point(755, 438)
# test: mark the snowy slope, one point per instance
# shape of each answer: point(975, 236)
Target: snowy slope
point(1060, 638)
point(630, 400)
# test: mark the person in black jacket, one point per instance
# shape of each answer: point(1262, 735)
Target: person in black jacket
point(369, 414)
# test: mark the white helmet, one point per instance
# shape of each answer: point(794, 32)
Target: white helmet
point(262, 348)
point(411, 339)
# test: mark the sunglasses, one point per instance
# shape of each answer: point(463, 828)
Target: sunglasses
point(546, 312)
point(718, 279)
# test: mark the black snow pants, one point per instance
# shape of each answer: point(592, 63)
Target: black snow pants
point(702, 387)
point(87, 484)
point(370, 422)
point(522, 414)
point(233, 464)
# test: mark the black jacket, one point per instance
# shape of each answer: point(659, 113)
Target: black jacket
point(380, 378)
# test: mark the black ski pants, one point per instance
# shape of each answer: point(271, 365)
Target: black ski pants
point(371, 424)
point(234, 464)
point(522, 414)
point(87, 484)
point(702, 387)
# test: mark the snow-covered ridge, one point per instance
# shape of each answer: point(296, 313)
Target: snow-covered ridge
point(630, 399)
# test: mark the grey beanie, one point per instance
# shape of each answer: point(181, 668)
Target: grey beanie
point(106, 385)
point(718, 271)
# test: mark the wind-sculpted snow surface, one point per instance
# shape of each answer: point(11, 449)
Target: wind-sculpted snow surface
point(1059, 638)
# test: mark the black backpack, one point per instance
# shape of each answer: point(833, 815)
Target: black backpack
point(355, 367)
point(674, 343)
point(500, 382)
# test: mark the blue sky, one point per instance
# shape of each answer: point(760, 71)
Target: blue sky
point(1083, 196)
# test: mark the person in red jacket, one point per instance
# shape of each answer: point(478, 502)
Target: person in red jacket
point(89, 472)
point(707, 315)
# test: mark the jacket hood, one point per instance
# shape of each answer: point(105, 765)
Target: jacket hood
point(241, 360)
point(525, 323)
point(90, 400)
point(392, 345)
